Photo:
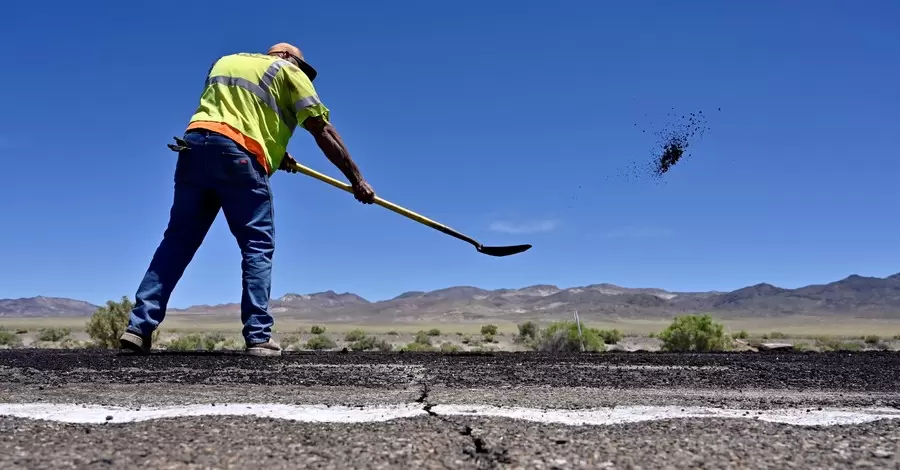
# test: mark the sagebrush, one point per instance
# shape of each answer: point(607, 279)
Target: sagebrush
point(418, 347)
point(695, 333)
point(489, 330)
point(564, 337)
point(319, 342)
point(196, 342)
point(53, 334)
point(423, 337)
point(611, 336)
point(528, 330)
point(9, 339)
point(367, 343)
point(355, 335)
point(107, 324)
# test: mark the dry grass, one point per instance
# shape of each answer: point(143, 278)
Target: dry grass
point(794, 327)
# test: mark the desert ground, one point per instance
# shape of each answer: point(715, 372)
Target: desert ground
point(221, 332)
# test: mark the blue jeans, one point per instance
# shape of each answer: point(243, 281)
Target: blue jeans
point(214, 173)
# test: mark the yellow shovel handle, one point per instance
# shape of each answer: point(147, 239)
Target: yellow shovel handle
point(386, 204)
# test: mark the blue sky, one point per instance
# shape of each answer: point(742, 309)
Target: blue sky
point(510, 121)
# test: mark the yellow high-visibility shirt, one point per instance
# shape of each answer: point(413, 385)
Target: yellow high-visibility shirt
point(257, 100)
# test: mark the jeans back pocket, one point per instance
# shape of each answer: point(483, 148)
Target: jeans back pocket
point(242, 169)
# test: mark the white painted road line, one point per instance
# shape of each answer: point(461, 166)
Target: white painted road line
point(69, 413)
point(633, 414)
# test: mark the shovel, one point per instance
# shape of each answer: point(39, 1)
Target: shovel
point(488, 250)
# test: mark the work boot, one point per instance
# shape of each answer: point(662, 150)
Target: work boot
point(135, 343)
point(269, 348)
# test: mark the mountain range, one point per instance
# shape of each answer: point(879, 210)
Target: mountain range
point(854, 296)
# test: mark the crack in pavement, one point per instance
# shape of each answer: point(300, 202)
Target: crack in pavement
point(485, 455)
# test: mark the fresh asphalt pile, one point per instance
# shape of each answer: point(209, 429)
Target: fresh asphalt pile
point(674, 139)
point(95, 409)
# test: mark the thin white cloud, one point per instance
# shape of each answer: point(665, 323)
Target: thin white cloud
point(639, 232)
point(524, 227)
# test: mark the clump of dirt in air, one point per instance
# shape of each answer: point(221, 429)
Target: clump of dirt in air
point(674, 141)
point(670, 156)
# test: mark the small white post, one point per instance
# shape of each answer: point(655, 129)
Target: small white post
point(580, 335)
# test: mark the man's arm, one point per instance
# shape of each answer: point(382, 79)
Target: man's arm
point(328, 139)
point(331, 144)
point(313, 116)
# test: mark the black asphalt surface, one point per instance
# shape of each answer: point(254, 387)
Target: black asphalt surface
point(869, 371)
point(752, 380)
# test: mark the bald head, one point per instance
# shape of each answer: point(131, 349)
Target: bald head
point(285, 47)
point(293, 53)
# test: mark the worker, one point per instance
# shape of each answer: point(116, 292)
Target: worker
point(235, 141)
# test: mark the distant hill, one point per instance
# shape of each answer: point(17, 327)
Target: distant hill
point(45, 307)
point(854, 296)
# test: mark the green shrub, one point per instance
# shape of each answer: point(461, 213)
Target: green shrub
point(288, 340)
point(189, 342)
point(355, 335)
point(418, 347)
point(22, 332)
point(563, 337)
point(317, 330)
point(319, 342)
point(743, 334)
point(361, 345)
point(212, 340)
point(449, 348)
point(897, 337)
point(610, 336)
point(53, 334)
point(231, 344)
point(370, 342)
point(392, 333)
point(9, 339)
point(466, 339)
point(802, 347)
point(873, 339)
point(488, 338)
point(834, 344)
point(423, 338)
point(434, 332)
point(489, 330)
point(777, 335)
point(107, 323)
point(69, 343)
point(694, 333)
point(528, 330)
point(196, 342)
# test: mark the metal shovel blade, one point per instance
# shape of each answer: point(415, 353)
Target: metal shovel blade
point(503, 250)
